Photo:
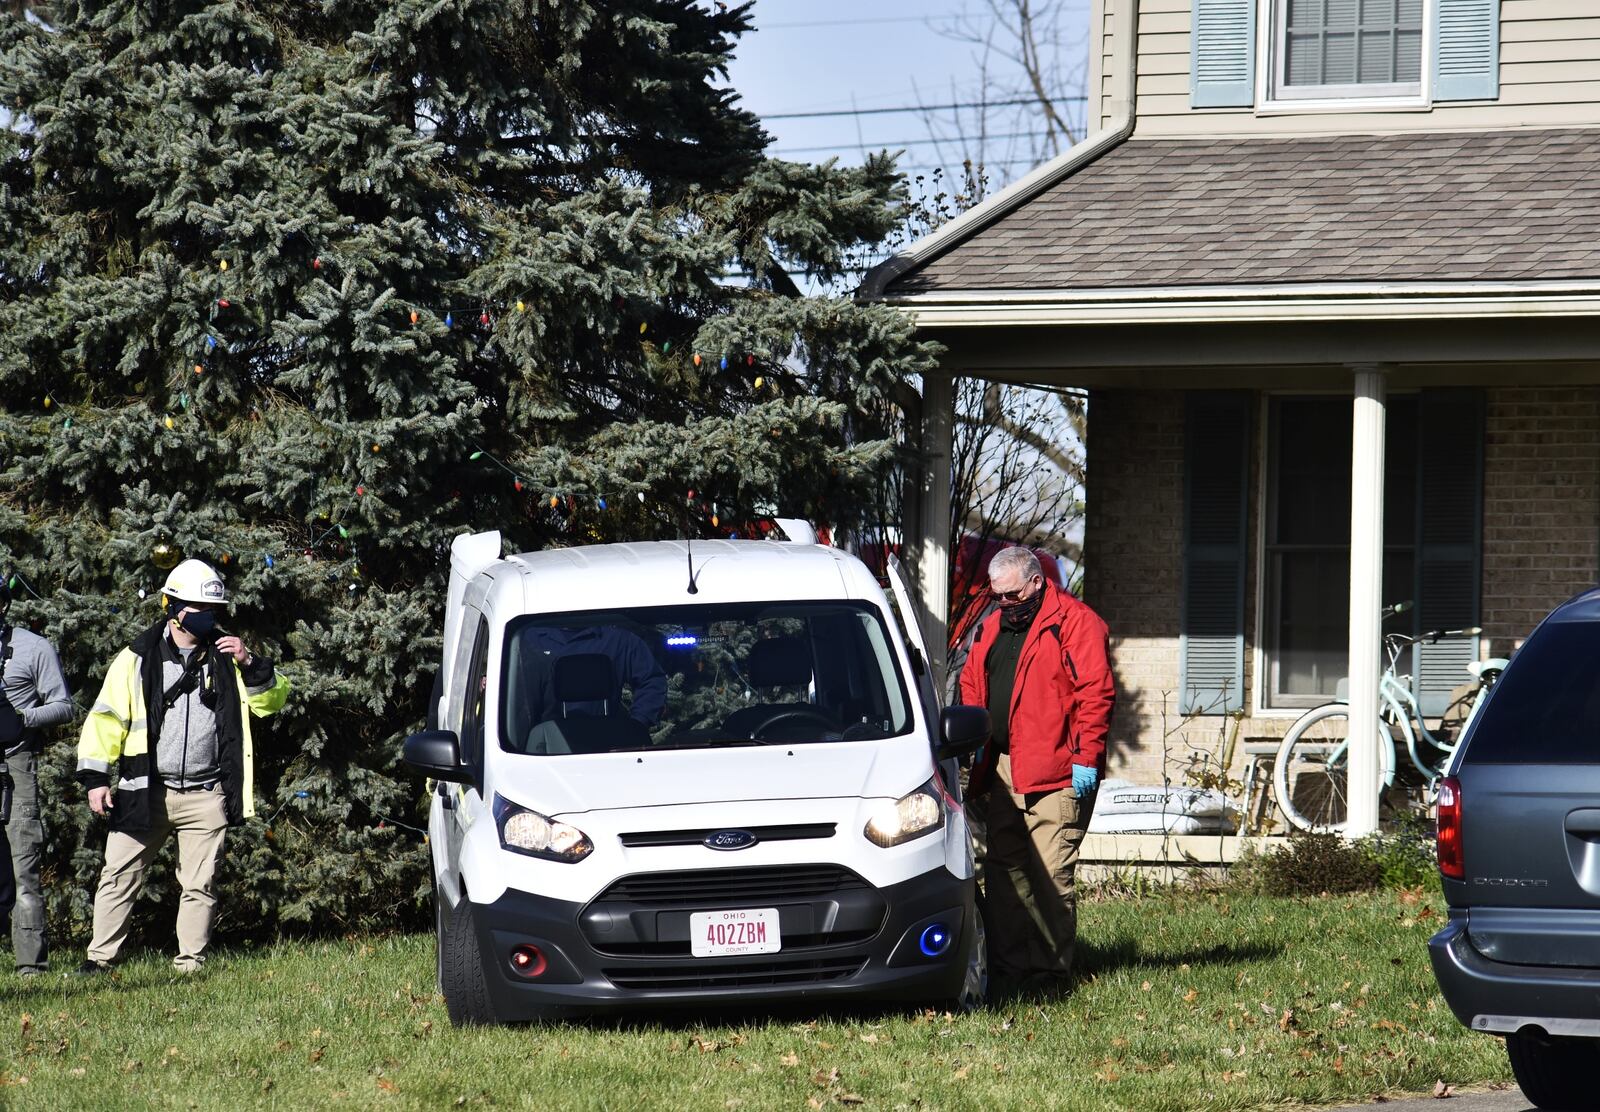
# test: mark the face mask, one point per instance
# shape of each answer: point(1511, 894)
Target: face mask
point(1020, 614)
point(201, 623)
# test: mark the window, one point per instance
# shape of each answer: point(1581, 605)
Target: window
point(1306, 577)
point(1326, 49)
point(1546, 708)
point(473, 696)
point(703, 676)
point(1312, 55)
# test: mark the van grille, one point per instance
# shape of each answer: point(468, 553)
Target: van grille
point(733, 887)
point(789, 833)
point(741, 975)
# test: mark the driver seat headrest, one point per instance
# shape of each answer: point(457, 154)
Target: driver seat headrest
point(780, 662)
point(583, 678)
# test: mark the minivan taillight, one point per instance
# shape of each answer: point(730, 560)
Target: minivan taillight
point(1451, 861)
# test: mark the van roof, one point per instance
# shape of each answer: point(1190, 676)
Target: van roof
point(656, 573)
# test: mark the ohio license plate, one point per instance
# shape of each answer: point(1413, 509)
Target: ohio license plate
point(715, 934)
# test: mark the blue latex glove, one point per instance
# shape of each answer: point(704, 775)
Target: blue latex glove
point(1084, 780)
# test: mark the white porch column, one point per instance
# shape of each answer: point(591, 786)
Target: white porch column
point(1366, 591)
point(932, 548)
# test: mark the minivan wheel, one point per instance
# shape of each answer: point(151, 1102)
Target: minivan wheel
point(975, 985)
point(461, 976)
point(1555, 1072)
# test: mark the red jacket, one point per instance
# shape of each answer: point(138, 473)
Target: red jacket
point(1062, 702)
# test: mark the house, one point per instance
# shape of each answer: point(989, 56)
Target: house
point(1330, 273)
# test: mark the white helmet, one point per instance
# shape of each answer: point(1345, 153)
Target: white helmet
point(195, 581)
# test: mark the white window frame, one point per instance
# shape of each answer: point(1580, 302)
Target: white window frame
point(1271, 99)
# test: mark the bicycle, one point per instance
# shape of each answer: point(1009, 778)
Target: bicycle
point(1310, 775)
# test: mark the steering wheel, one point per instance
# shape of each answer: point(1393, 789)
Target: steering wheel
point(796, 714)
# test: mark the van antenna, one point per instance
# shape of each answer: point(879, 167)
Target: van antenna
point(688, 548)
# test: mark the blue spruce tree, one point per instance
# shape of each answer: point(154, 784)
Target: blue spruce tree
point(306, 289)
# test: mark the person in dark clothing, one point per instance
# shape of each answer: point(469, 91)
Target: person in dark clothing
point(1040, 665)
point(633, 666)
point(33, 697)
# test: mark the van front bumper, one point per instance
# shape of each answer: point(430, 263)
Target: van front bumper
point(630, 946)
point(1501, 998)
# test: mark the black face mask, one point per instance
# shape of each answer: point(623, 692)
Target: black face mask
point(1021, 615)
point(202, 624)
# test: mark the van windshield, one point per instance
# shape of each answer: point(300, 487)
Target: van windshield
point(718, 674)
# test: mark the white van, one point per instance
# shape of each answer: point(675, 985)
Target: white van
point(691, 775)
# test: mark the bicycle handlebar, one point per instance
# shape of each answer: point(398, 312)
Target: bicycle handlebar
point(1433, 636)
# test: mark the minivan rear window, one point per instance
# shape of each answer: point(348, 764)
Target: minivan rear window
point(701, 676)
point(1546, 708)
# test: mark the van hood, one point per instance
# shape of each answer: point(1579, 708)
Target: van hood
point(568, 785)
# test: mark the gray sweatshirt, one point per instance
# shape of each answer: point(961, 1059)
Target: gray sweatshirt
point(33, 681)
point(186, 752)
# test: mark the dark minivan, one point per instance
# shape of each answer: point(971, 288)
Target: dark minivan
point(1519, 850)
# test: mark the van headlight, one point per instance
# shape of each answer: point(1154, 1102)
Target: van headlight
point(529, 832)
point(911, 816)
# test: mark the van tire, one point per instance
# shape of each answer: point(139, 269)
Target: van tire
point(461, 975)
point(975, 981)
point(1555, 1072)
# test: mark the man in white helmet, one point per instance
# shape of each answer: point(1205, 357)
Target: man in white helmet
point(172, 717)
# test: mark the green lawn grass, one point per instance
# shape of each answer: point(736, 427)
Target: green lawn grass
point(1186, 1001)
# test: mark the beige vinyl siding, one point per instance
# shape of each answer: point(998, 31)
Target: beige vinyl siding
point(1549, 76)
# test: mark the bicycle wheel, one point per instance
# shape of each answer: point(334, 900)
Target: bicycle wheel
point(1311, 773)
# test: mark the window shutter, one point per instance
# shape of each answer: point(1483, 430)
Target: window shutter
point(1466, 50)
point(1222, 54)
point(1449, 545)
point(1216, 476)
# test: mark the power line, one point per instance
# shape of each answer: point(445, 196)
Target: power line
point(921, 108)
point(914, 142)
point(952, 168)
point(853, 22)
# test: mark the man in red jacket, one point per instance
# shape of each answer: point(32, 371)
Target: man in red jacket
point(1040, 665)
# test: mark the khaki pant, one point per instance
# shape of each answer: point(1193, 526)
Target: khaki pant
point(1032, 854)
point(200, 823)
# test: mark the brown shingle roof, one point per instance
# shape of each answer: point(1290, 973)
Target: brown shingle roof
point(1495, 206)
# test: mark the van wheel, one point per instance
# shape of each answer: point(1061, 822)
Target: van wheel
point(1555, 1072)
point(461, 976)
point(975, 985)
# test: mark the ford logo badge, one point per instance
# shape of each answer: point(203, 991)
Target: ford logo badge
point(731, 839)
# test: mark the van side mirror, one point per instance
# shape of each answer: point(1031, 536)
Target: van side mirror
point(438, 753)
point(961, 731)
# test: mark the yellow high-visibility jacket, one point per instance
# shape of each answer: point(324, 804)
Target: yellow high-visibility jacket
point(119, 728)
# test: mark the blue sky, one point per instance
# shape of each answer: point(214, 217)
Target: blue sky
point(851, 55)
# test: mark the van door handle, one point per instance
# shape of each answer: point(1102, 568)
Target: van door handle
point(1586, 821)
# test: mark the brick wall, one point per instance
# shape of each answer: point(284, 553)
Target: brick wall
point(1133, 559)
point(1541, 505)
